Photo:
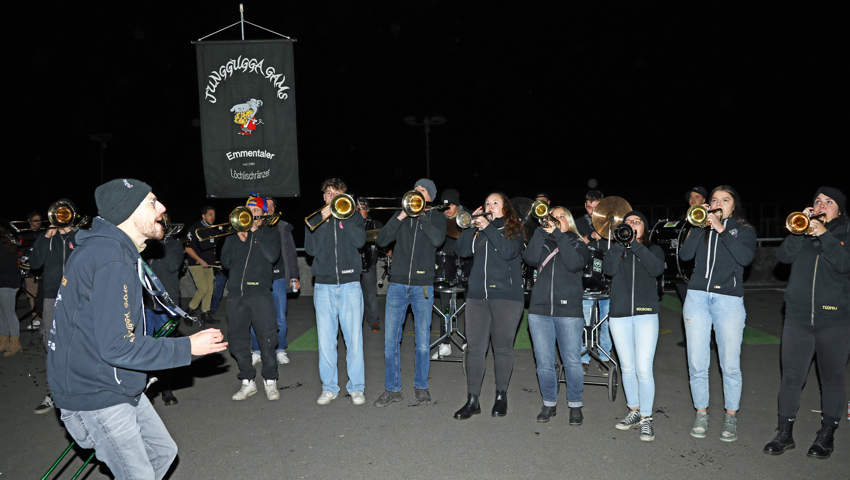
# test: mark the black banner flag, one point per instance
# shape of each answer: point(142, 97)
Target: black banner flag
point(248, 134)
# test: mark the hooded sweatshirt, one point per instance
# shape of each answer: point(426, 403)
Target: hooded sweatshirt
point(497, 265)
point(634, 272)
point(334, 246)
point(98, 353)
point(720, 259)
point(250, 262)
point(558, 289)
point(52, 254)
point(416, 241)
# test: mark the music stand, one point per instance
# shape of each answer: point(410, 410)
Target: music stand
point(450, 319)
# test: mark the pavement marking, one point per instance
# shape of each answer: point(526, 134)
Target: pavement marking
point(309, 341)
point(752, 336)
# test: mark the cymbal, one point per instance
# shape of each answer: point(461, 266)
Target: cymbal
point(452, 230)
point(522, 207)
point(371, 235)
point(608, 214)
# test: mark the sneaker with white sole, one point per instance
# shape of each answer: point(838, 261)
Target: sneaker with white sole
point(46, 405)
point(700, 425)
point(255, 358)
point(730, 428)
point(358, 398)
point(325, 398)
point(271, 389)
point(445, 349)
point(282, 358)
point(248, 388)
point(647, 434)
point(631, 420)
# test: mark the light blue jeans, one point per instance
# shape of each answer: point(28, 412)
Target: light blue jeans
point(131, 440)
point(399, 297)
point(604, 334)
point(340, 307)
point(726, 314)
point(545, 331)
point(636, 338)
point(279, 297)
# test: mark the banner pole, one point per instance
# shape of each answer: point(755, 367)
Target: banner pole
point(242, 20)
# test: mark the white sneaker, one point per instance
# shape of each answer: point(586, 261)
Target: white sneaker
point(282, 358)
point(248, 388)
point(358, 398)
point(271, 389)
point(445, 349)
point(325, 398)
point(435, 355)
point(255, 358)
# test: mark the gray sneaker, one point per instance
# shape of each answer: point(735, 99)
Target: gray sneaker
point(422, 395)
point(647, 434)
point(631, 420)
point(45, 406)
point(388, 397)
point(730, 428)
point(700, 425)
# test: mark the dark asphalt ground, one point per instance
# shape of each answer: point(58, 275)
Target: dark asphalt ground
point(296, 438)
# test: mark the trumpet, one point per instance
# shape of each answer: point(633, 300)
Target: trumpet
point(412, 202)
point(241, 220)
point(342, 208)
point(799, 223)
point(60, 215)
point(540, 211)
point(464, 219)
point(698, 215)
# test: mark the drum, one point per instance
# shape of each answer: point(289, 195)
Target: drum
point(446, 268)
point(368, 257)
point(670, 236)
point(465, 269)
point(593, 280)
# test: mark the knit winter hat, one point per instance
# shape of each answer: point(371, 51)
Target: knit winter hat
point(117, 199)
point(429, 187)
point(834, 194)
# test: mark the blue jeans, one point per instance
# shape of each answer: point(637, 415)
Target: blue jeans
point(568, 333)
point(636, 338)
point(279, 297)
point(340, 307)
point(131, 440)
point(218, 290)
point(604, 334)
point(726, 314)
point(399, 297)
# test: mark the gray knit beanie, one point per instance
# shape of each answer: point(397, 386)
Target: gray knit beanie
point(117, 199)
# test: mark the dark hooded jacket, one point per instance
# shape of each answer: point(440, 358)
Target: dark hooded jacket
point(250, 262)
point(558, 286)
point(720, 259)
point(416, 241)
point(497, 265)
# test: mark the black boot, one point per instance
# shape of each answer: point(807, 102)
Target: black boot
point(823, 446)
point(208, 319)
point(471, 408)
point(500, 408)
point(783, 439)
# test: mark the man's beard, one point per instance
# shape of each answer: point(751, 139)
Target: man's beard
point(152, 230)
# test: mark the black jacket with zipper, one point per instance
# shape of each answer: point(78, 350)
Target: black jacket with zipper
point(720, 259)
point(334, 246)
point(634, 278)
point(497, 265)
point(416, 241)
point(558, 286)
point(818, 291)
point(250, 262)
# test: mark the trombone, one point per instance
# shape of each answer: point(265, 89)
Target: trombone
point(412, 202)
point(540, 211)
point(60, 215)
point(698, 215)
point(342, 208)
point(799, 223)
point(241, 220)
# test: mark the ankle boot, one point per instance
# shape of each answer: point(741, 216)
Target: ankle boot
point(500, 408)
point(471, 408)
point(14, 347)
point(5, 343)
point(783, 439)
point(823, 446)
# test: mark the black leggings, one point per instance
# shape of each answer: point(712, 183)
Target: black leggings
point(831, 346)
point(496, 321)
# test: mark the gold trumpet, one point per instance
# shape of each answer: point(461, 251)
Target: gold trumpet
point(540, 211)
point(412, 202)
point(698, 215)
point(799, 223)
point(241, 220)
point(464, 219)
point(60, 215)
point(342, 208)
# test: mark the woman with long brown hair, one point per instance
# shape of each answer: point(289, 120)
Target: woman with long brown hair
point(495, 298)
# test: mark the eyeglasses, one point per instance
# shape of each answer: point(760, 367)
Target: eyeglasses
point(633, 222)
point(151, 202)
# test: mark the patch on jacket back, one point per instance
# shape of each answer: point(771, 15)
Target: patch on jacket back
point(347, 271)
point(420, 272)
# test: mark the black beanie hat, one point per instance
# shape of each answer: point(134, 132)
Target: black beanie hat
point(834, 194)
point(117, 199)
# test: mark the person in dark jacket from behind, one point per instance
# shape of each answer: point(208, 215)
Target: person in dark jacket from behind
point(555, 311)
point(495, 299)
point(337, 296)
point(817, 321)
point(250, 256)
point(97, 350)
point(634, 269)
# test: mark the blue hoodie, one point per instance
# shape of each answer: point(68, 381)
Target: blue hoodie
point(98, 353)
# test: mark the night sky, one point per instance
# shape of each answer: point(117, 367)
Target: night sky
point(647, 98)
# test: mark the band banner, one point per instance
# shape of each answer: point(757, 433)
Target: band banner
point(248, 133)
